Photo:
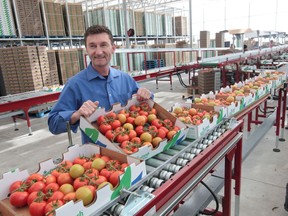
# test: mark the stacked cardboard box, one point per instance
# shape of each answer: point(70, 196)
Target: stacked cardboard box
point(219, 37)
point(204, 39)
point(209, 79)
point(28, 68)
point(29, 15)
point(8, 73)
point(139, 23)
point(180, 25)
point(49, 77)
point(54, 18)
point(81, 55)
point(53, 75)
point(75, 13)
point(67, 64)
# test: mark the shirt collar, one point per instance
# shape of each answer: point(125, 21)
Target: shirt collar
point(92, 73)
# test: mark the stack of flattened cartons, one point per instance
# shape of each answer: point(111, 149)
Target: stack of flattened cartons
point(74, 12)
point(8, 73)
point(204, 39)
point(7, 28)
point(209, 79)
point(180, 25)
point(28, 68)
point(29, 15)
point(219, 37)
point(51, 54)
point(67, 63)
point(54, 18)
point(139, 23)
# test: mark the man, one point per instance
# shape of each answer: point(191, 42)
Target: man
point(99, 85)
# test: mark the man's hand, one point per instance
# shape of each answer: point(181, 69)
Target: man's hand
point(143, 94)
point(85, 110)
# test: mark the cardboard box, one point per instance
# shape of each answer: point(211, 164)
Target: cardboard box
point(196, 131)
point(144, 152)
point(133, 173)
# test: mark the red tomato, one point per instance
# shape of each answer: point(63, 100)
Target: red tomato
point(98, 180)
point(153, 111)
point(37, 186)
point(132, 134)
point(105, 172)
point(140, 120)
point(139, 130)
point(113, 164)
point(122, 137)
point(124, 165)
point(157, 123)
point(35, 196)
point(66, 164)
point(145, 106)
point(79, 182)
point(168, 123)
point(130, 120)
point(114, 178)
point(50, 179)
point(161, 133)
point(56, 195)
point(127, 151)
point(17, 185)
point(111, 116)
point(164, 129)
point(143, 113)
point(125, 112)
point(105, 158)
point(170, 134)
point(51, 206)
point(36, 177)
point(104, 127)
point(100, 120)
point(37, 208)
point(51, 187)
point(93, 189)
point(110, 134)
point(136, 140)
point(87, 165)
point(134, 107)
point(91, 172)
point(115, 124)
point(69, 196)
point(80, 160)
point(152, 129)
point(19, 198)
point(64, 178)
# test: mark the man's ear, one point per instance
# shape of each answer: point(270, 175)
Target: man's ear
point(113, 48)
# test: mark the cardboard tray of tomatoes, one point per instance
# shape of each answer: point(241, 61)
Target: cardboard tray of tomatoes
point(143, 152)
point(135, 171)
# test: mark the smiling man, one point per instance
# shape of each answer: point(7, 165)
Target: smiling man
point(97, 85)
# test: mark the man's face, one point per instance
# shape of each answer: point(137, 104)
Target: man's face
point(100, 50)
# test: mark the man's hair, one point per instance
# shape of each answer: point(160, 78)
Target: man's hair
point(98, 29)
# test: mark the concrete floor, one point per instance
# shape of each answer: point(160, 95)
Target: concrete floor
point(264, 172)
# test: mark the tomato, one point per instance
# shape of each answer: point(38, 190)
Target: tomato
point(121, 117)
point(104, 127)
point(56, 172)
point(114, 178)
point(56, 195)
point(92, 188)
point(110, 134)
point(19, 198)
point(149, 144)
point(140, 120)
point(122, 137)
point(161, 133)
point(51, 187)
point(134, 107)
point(94, 156)
point(113, 164)
point(145, 106)
point(151, 117)
point(128, 126)
point(37, 208)
point(124, 165)
point(91, 172)
point(66, 164)
point(64, 178)
point(37, 186)
point(80, 160)
point(168, 123)
point(98, 164)
point(36, 177)
point(105, 172)
point(50, 179)
point(69, 196)
point(170, 134)
point(156, 141)
point(98, 180)
point(136, 140)
point(101, 119)
point(146, 137)
point(35, 196)
point(143, 113)
point(103, 184)
point(130, 120)
point(76, 171)
point(127, 151)
point(79, 182)
point(111, 116)
point(125, 112)
point(157, 122)
point(153, 130)
point(18, 185)
point(132, 134)
point(84, 194)
point(139, 130)
point(115, 124)
point(153, 111)
point(164, 129)
point(66, 188)
point(51, 206)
